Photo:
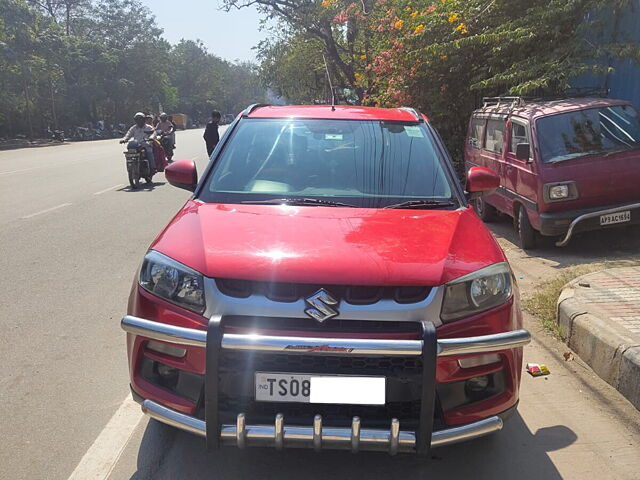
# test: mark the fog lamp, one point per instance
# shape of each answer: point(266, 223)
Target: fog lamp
point(165, 371)
point(477, 384)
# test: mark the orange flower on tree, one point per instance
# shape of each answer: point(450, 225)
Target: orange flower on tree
point(419, 29)
point(453, 17)
point(462, 29)
point(399, 24)
point(414, 15)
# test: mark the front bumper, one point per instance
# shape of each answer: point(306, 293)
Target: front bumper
point(317, 435)
point(570, 222)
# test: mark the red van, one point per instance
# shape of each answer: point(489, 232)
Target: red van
point(565, 166)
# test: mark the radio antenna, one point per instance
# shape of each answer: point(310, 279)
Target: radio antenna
point(333, 95)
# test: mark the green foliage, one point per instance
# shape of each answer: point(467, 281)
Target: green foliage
point(440, 56)
point(292, 68)
point(65, 63)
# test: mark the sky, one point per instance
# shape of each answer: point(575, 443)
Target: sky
point(227, 35)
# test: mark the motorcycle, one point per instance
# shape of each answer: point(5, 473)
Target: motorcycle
point(137, 164)
point(55, 135)
point(167, 144)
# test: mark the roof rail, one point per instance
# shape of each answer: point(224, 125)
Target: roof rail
point(499, 101)
point(413, 112)
point(251, 108)
point(571, 92)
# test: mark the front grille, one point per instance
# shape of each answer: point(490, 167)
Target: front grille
point(291, 292)
point(238, 361)
point(244, 323)
point(237, 384)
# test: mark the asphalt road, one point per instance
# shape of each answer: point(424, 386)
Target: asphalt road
point(71, 237)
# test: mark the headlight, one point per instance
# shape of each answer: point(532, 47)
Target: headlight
point(476, 292)
point(555, 192)
point(172, 281)
point(558, 192)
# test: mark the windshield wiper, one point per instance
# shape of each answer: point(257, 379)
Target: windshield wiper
point(300, 201)
point(422, 203)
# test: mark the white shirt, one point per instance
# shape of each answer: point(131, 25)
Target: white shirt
point(139, 134)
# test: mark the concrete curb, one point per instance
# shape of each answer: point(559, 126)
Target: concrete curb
point(607, 348)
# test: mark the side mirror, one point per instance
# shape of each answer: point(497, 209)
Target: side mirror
point(182, 174)
point(481, 180)
point(523, 150)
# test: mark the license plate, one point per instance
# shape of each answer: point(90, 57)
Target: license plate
point(619, 217)
point(307, 388)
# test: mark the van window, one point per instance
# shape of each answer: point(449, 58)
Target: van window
point(475, 132)
point(593, 131)
point(495, 136)
point(519, 134)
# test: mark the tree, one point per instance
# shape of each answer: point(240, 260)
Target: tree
point(67, 63)
point(443, 56)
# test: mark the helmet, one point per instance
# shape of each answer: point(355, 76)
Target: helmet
point(138, 115)
point(163, 116)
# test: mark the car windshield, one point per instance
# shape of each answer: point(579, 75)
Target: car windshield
point(588, 132)
point(319, 162)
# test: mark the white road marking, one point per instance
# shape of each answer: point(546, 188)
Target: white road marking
point(19, 171)
point(46, 211)
point(102, 456)
point(108, 189)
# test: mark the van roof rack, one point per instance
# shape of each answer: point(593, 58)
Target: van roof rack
point(520, 101)
point(499, 101)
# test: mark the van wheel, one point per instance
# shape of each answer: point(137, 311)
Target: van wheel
point(486, 212)
point(526, 233)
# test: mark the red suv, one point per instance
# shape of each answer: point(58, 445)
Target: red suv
point(327, 286)
point(565, 166)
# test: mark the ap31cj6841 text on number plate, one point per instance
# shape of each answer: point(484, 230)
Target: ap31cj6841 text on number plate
point(308, 388)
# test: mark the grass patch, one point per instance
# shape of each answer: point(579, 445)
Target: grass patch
point(543, 303)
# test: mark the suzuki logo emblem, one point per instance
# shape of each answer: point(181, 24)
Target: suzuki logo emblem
point(321, 303)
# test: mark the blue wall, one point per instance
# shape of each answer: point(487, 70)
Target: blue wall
point(624, 82)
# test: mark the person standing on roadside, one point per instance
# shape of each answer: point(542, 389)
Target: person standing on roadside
point(211, 136)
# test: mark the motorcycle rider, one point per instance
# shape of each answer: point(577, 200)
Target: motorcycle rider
point(140, 132)
point(167, 128)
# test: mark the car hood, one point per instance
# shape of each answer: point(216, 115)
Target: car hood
point(328, 245)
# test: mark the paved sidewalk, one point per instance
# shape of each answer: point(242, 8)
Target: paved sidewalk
point(599, 315)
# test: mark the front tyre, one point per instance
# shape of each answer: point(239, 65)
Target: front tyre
point(486, 212)
point(526, 233)
point(134, 176)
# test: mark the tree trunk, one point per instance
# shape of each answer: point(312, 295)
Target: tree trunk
point(68, 6)
point(54, 117)
point(27, 102)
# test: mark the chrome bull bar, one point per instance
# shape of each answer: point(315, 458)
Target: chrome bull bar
point(326, 346)
point(318, 436)
point(587, 216)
